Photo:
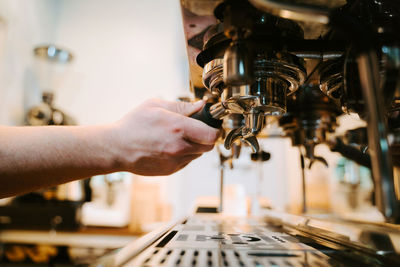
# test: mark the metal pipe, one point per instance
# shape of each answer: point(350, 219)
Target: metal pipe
point(221, 189)
point(318, 55)
point(303, 183)
point(382, 170)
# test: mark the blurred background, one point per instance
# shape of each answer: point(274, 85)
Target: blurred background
point(124, 52)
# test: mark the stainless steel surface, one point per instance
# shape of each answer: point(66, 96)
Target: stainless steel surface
point(132, 250)
point(254, 120)
point(276, 239)
point(281, 65)
point(350, 233)
point(213, 77)
point(316, 11)
point(237, 66)
point(382, 168)
point(218, 111)
point(276, 76)
point(216, 241)
point(243, 134)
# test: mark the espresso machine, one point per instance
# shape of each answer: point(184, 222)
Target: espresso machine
point(302, 64)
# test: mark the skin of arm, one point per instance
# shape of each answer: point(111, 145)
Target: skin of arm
point(156, 138)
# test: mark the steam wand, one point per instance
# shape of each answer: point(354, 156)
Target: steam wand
point(303, 182)
point(222, 160)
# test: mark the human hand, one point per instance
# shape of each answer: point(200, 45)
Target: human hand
point(158, 137)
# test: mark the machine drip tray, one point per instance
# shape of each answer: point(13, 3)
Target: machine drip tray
point(215, 240)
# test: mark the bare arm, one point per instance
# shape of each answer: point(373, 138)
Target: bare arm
point(157, 138)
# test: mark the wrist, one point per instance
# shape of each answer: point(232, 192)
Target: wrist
point(109, 141)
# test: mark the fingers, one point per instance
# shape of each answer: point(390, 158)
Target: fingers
point(180, 107)
point(195, 148)
point(181, 147)
point(199, 132)
point(194, 130)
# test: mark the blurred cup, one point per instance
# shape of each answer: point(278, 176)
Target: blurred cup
point(235, 203)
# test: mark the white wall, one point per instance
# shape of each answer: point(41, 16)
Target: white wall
point(23, 25)
point(126, 51)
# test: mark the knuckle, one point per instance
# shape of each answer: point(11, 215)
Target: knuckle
point(177, 128)
point(158, 114)
point(178, 132)
point(180, 106)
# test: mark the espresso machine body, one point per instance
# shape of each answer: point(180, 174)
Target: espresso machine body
point(304, 63)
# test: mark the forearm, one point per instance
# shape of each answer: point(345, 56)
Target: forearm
point(37, 157)
point(157, 138)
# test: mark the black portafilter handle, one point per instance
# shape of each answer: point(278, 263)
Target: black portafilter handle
point(205, 116)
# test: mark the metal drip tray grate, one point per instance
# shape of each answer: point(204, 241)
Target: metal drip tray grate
point(208, 241)
point(203, 257)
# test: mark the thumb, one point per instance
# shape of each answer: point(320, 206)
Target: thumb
point(188, 108)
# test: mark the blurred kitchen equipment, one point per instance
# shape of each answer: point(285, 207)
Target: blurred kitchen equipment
point(110, 203)
point(51, 66)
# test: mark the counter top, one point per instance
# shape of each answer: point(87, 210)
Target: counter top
point(109, 238)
